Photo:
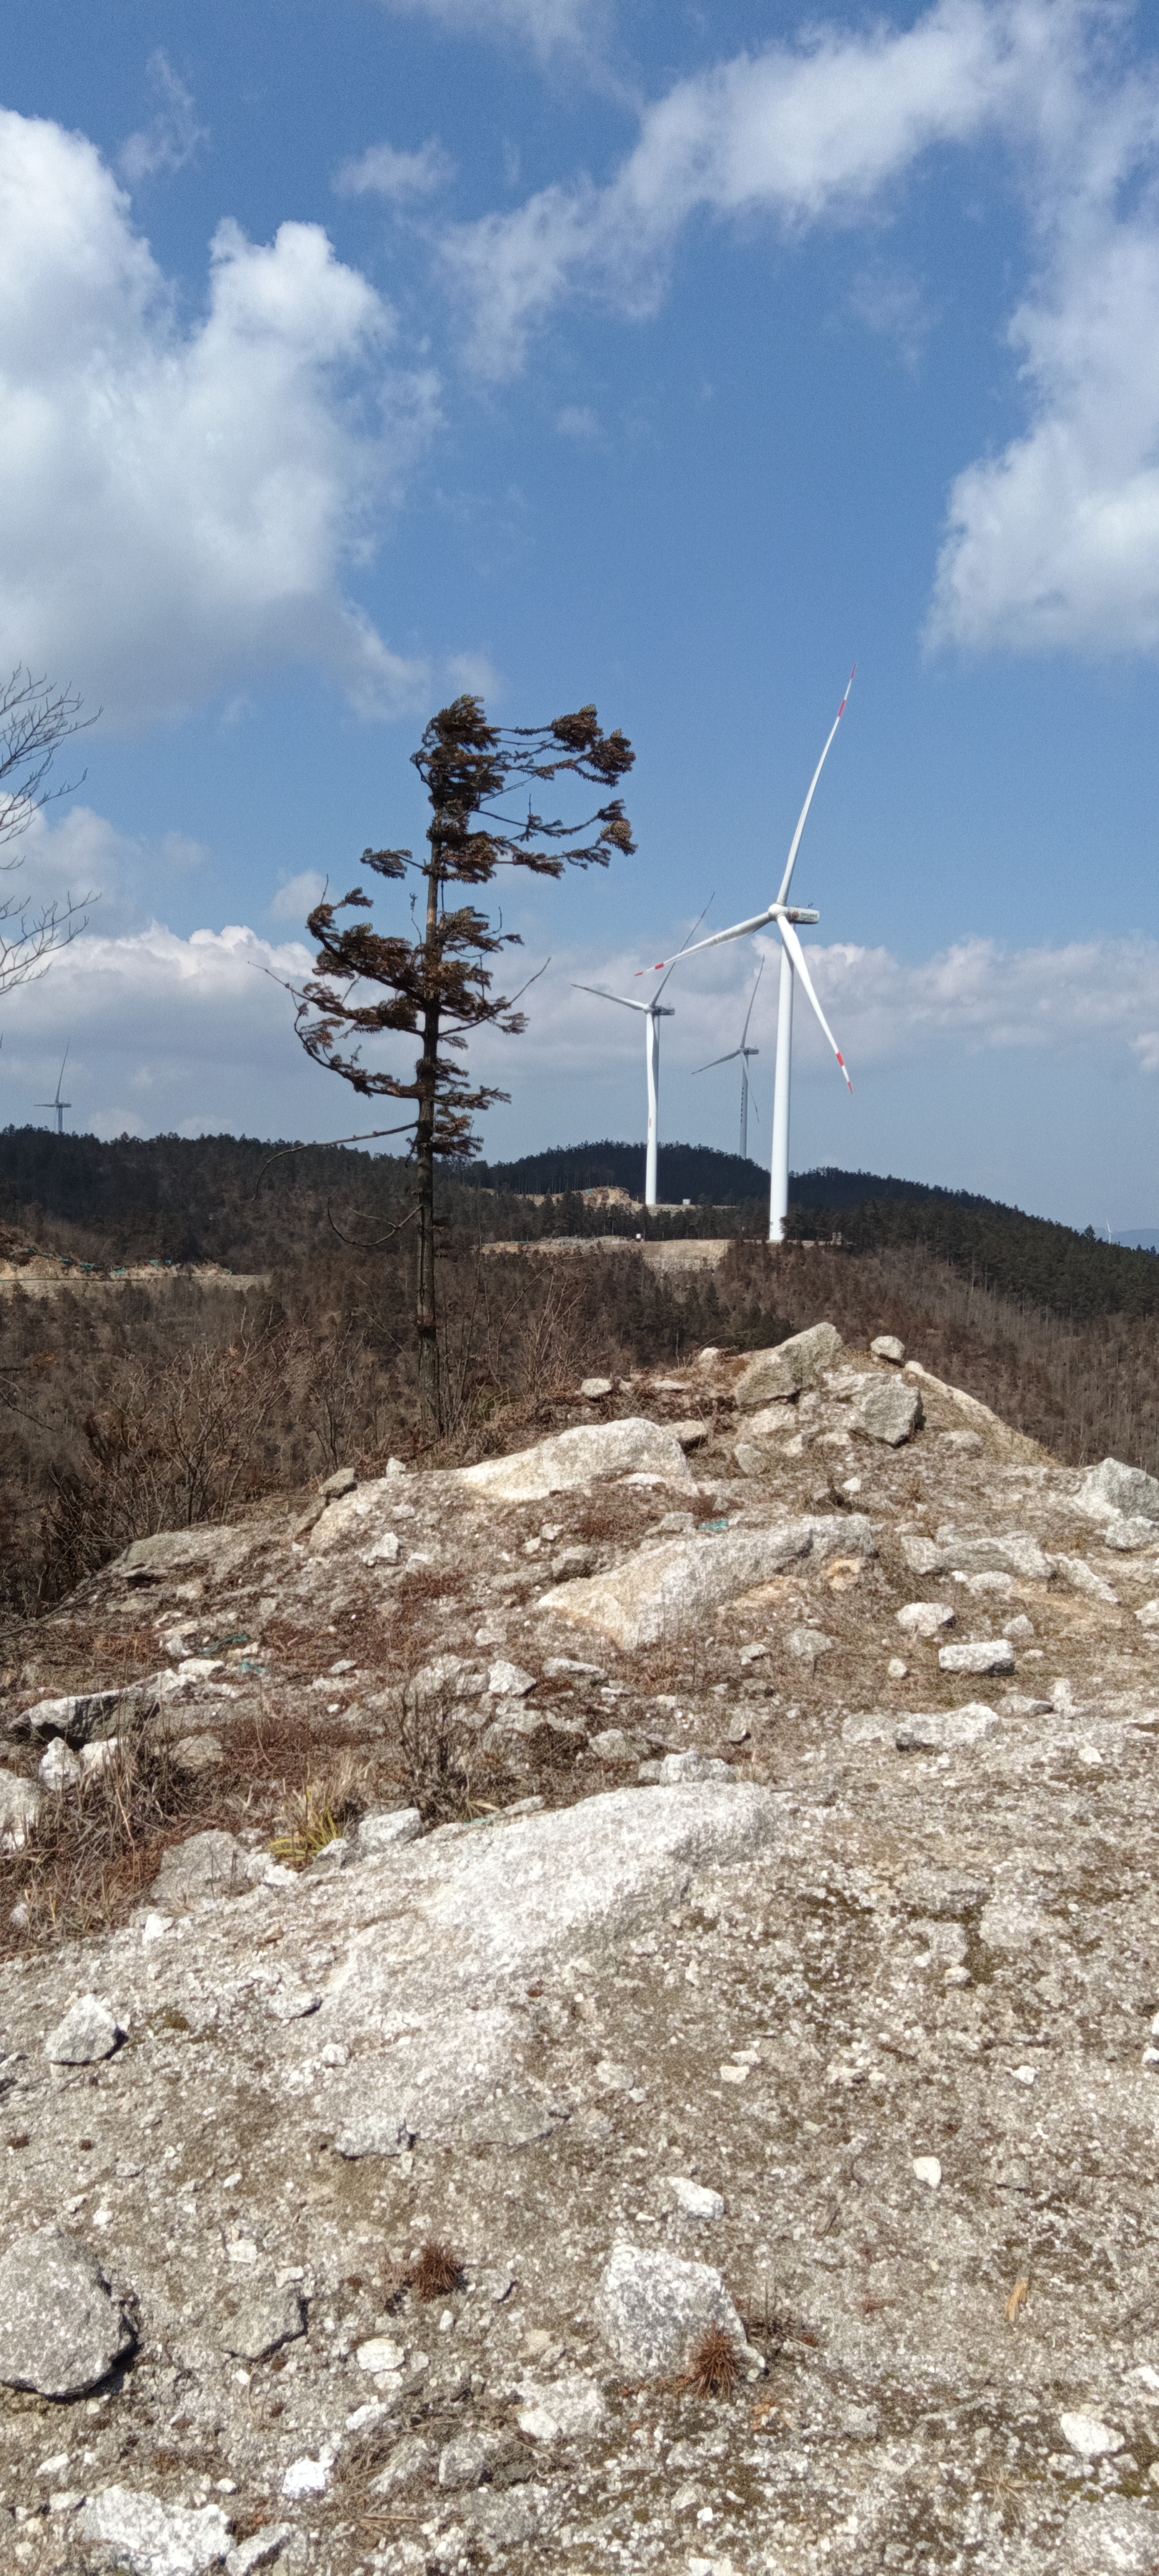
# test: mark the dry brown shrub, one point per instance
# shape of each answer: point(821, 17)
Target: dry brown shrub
point(713, 2364)
point(95, 1848)
point(316, 1813)
point(437, 2271)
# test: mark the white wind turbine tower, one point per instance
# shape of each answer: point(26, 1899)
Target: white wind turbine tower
point(58, 1104)
point(653, 1012)
point(744, 1053)
point(786, 915)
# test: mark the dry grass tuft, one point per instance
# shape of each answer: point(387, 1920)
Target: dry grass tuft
point(713, 2367)
point(437, 2271)
point(316, 1813)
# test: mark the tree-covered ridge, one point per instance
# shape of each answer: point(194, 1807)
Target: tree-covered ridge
point(1017, 1256)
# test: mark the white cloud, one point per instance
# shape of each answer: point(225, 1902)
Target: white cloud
point(578, 421)
point(1053, 543)
point(179, 504)
point(173, 134)
point(802, 135)
point(547, 25)
point(196, 1034)
point(298, 896)
point(384, 172)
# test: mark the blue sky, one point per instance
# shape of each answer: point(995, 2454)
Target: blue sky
point(354, 354)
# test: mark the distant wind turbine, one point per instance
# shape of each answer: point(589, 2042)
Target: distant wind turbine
point(785, 915)
point(653, 1012)
point(744, 1052)
point(58, 1104)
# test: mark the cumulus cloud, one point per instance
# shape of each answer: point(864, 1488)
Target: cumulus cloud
point(298, 896)
point(172, 135)
point(196, 1034)
point(179, 504)
point(1053, 543)
point(385, 172)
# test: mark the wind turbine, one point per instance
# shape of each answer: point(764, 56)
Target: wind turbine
point(744, 1053)
point(786, 916)
point(653, 1012)
point(58, 1104)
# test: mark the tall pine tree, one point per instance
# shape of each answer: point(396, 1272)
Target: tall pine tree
point(437, 985)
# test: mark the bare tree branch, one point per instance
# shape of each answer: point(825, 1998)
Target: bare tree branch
point(35, 718)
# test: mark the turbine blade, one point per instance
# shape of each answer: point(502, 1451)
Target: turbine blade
point(752, 998)
point(683, 950)
point(717, 1059)
point(739, 930)
point(605, 996)
point(791, 861)
point(797, 954)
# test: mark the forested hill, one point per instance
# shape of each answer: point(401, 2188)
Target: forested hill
point(257, 1206)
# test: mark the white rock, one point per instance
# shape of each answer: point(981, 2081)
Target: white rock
point(154, 2539)
point(807, 1645)
point(509, 1681)
point(925, 1618)
point(896, 1670)
point(694, 2198)
point(89, 2032)
point(61, 2329)
point(652, 2309)
point(385, 1551)
point(1091, 2439)
point(663, 1591)
point(978, 1655)
point(589, 1454)
point(59, 1768)
point(1129, 1536)
point(387, 1830)
point(889, 1410)
point(97, 1757)
point(928, 2169)
point(944, 1730)
point(264, 2548)
point(570, 2408)
point(1148, 1616)
point(1112, 1491)
point(1082, 1578)
point(694, 1766)
point(78, 1715)
point(379, 2354)
point(307, 2477)
point(20, 1802)
point(888, 1347)
point(773, 1375)
point(594, 1387)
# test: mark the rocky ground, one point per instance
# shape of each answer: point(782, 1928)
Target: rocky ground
point(716, 1900)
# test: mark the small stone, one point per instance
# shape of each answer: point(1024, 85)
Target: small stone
point(652, 2308)
point(946, 1730)
point(693, 1766)
point(79, 1716)
point(896, 1670)
point(613, 1745)
point(387, 1829)
point(1091, 2439)
point(1112, 1491)
point(265, 2322)
point(592, 1388)
point(97, 1757)
point(1020, 1629)
point(19, 1808)
point(978, 1655)
point(509, 1681)
point(379, 2353)
point(505, 2519)
point(386, 1550)
point(889, 1411)
point(888, 1347)
point(61, 2329)
point(89, 2032)
point(570, 2408)
point(151, 2538)
point(461, 2463)
point(691, 1435)
point(928, 2170)
point(807, 1645)
point(194, 1753)
point(410, 2459)
point(572, 1563)
point(860, 2423)
point(343, 1481)
point(925, 1618)
point(59, 1768)
point(307, 2477)
point(694, 2198)
point(276, 2543)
